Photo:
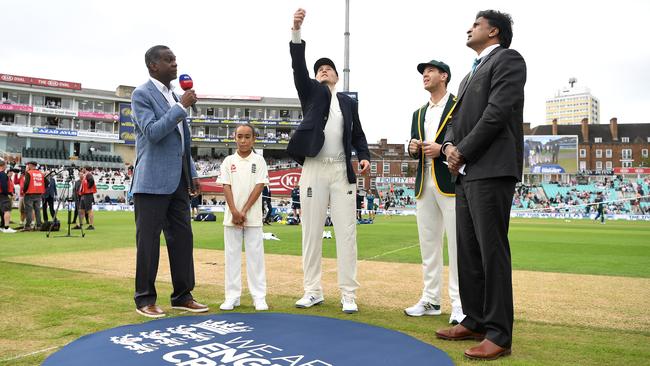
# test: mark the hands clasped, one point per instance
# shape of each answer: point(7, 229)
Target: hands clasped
point(238, 218)
point(455, 159)
point(431, 149)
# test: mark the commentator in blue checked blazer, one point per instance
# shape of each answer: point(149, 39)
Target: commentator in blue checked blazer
point(162, 183)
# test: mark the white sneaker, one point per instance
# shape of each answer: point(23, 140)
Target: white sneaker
point(423, 308)
point(9, 230)
point(229, 304)
point(260, 304)
point(308, 301)
point(349, 305)
point(457, 315)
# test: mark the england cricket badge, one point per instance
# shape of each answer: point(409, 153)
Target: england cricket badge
point(309, 192)
point(253, 168)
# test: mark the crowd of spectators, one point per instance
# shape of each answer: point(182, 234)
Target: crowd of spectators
point(207, 166)
point(622, 196)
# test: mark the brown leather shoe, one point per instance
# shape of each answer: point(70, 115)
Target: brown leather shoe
point(458, 333)
point(487, 350)
point(192, 306)
point(151, 311)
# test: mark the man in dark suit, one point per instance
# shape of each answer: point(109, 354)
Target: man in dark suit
point(323, 144)
point(162, 183)
point(49, 196)
point(484, 150)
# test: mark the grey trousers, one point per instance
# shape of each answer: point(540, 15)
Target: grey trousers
point(33, 204)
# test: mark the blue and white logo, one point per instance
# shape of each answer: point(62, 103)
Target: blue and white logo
point(234, 339)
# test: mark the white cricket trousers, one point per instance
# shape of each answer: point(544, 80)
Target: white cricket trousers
point(436, 211)
point(255, 272)
point(325, 183)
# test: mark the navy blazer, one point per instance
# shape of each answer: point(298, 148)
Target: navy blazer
point(309, 137)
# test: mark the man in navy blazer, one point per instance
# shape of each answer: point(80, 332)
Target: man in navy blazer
point(162, 182)
point(323, 144)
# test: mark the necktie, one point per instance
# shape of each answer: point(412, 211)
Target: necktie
point(474, 65)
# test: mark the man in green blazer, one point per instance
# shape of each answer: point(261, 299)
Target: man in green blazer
point(434, 190)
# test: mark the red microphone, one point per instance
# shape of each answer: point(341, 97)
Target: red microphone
point(186, 83)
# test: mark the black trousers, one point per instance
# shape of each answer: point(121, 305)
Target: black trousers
point(484, 264)
point(269, 209)
point(170, 214)
point(48, 203)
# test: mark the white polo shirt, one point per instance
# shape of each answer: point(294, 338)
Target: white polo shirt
point(243, 174)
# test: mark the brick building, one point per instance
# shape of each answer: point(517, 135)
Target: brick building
point(605, 147)
point(390, 163)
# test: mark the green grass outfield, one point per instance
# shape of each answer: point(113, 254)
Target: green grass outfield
point(47, 307)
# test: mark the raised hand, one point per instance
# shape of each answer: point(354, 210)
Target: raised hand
point(298, 18)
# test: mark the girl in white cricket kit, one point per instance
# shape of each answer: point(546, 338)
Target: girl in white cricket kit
point(243, 175)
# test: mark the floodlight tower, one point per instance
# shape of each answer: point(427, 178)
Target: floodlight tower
point(346, 55)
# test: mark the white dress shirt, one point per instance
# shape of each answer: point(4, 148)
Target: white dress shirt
point(485, 52)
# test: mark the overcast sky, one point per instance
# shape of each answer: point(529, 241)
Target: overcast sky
point(241, 48)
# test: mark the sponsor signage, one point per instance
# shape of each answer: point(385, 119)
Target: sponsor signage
point(103, 135)
point(596, 172)
point(281, 182)
point(56, 111)
point(101, 187)
point(236, 339)
point(109, 116)
point(395, 180)
point(576, 215)
point(40, 82)
point(16, 107)
point(13, 128)
point(54, 131)
point(227, 140)
point(632, 170)
point(230, 121)
point(127, 128)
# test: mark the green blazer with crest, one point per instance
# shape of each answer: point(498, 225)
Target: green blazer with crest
point(440, 173)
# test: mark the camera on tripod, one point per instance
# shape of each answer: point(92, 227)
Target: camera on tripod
point(67, 194)
point(17, 169)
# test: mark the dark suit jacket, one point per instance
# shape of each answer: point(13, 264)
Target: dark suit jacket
point(75, 190)
point(487, 126)
point(315, 98)
point(441, 175)
point(50, 191)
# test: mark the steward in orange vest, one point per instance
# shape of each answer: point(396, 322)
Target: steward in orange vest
point(34, 181)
